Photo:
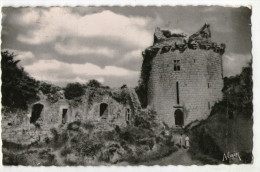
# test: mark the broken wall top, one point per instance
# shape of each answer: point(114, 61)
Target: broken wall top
point(166, 41)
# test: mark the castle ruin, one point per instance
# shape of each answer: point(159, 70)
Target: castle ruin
point(104, 107)
point(185, 75)
point(183, 78)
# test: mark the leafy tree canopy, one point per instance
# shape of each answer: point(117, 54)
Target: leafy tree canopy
point(18, 88)
point(238, 91)
point(74, 90)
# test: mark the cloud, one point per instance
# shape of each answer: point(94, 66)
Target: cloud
point(60, 72)
point(133, 55)
point(61, 22)
point(76, 49)
point(233, 63)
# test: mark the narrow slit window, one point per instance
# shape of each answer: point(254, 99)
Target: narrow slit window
point(208, 85)
point(127, 114)
point(177, 65)
point(209, 105)
point(177, 92)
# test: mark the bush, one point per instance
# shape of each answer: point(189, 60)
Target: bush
point(14, 146)
point(65, 151)
point(85, 145)
point(121, 96)
point(10, 158)
point(59, 139)
point(162, 151)
point(141, 122)
point(146, 119)
point(96, 93)
point(94, 83)
point(74, 90)
point(51, 91)
point(88, 126)
point(132, 134)
point(74, 126)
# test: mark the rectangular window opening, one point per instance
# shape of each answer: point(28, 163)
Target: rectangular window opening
point(177, 65)
point(177, 91)
point(209, 105)
point(64, 116)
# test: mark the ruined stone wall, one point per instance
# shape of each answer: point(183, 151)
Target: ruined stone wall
point(115, 115)
point(200, 83)
point(17, 127)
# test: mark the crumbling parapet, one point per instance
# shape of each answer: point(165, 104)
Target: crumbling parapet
point(166, 41)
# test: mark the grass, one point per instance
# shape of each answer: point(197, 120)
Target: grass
point(163, 151)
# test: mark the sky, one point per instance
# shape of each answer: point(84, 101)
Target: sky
point(62, 45)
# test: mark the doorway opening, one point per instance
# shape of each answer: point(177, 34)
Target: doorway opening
point(179, 118)
point(36, 112)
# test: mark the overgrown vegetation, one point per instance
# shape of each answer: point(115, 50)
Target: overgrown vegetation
point(51, 91)
point(142, 87)
point(18, 88)
point(34, 154)
point(74, 90)
point(238, 92)
point(229, 126)
point(121, 95)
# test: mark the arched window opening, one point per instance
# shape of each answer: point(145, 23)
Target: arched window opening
point(179, 118)
point(103, 110)
point(36, 112)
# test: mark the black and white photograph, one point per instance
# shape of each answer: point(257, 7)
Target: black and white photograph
point(126, 86)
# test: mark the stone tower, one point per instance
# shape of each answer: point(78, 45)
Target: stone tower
point(184, 75)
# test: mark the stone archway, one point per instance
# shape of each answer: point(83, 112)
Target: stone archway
point(36, 112)
point(179, 117)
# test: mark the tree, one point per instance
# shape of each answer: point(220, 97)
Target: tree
point(94, 83)
point(238, 93)
point(73, 90)
point(18, 89)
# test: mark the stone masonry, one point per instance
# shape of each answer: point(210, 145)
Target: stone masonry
point(186, 77)
point(99, 108)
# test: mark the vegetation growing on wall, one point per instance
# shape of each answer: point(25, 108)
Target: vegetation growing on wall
point(121, 96)
point(142, 87)
point(95, 90)
point(51, 91)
